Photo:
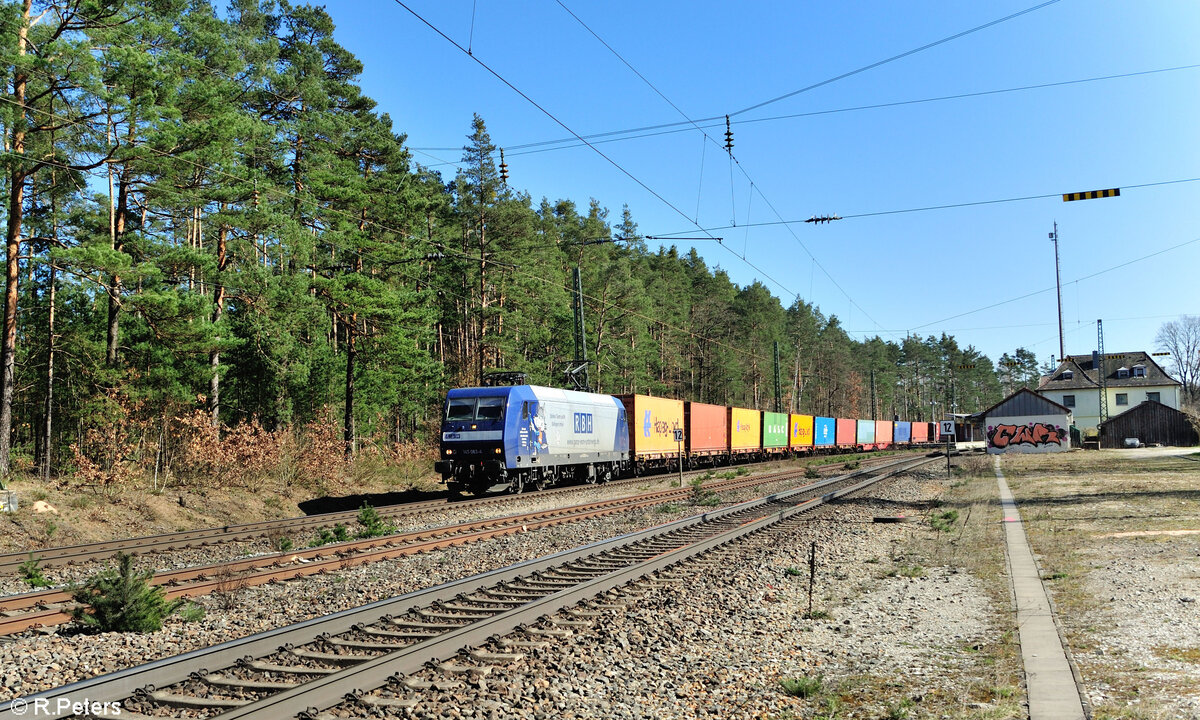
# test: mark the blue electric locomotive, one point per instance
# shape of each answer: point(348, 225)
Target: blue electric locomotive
point(496, 438)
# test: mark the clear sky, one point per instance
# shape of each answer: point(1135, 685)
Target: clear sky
point(822, 152)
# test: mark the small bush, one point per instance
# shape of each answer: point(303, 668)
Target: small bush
point(666, 508)
point(794, 572)
point(31, 572)
point(192, 612)
point(853, 465)
point(372, 523)
point(325, 536)
point(899, 711)
point(816, 615)
point(811, 473)
point(911, 571)
point(121, 600)
point(943, 521)
point(801, 687)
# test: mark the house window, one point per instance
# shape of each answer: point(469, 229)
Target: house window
point(1069, 400)
point(1122, 398)
point(1068, 374)
point(1152, 396)
point(1139, 371)
point(1122, 373)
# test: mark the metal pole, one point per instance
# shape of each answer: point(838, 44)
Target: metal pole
point(812, 574)
point(1062, 353)
point(679, 445)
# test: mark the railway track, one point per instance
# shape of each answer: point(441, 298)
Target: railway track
point(375, 654)
point(52, 607)
point(165, 542)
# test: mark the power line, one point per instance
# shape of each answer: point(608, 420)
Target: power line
point(716, 121)
point(729, 150)
point(893, 58)
point(579, 137)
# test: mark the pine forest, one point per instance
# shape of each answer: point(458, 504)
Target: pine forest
point(222, 259)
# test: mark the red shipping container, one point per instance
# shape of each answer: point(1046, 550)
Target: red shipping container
point(847, 432)
point(883, 433)
point(707, 431)
point(920, 432)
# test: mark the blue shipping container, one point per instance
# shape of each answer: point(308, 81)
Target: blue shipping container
point(823, 431)
point(903, 432)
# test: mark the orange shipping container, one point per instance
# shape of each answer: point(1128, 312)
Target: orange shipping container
point(801, 434)
point(652, 424)
point(745, 430)
point(707, 430)
point(883, 433)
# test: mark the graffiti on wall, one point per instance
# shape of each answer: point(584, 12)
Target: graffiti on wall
point(1033, 434)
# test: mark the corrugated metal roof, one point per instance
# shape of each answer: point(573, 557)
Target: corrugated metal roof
point(1025, 402)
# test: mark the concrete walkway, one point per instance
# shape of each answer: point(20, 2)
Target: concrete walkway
point(1049, 682)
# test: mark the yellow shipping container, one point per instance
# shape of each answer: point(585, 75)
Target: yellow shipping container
point(745, 429)
point(801, 434)
point(652, 423)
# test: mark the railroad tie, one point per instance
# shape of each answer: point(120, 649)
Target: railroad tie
point(331, 657)
point(189, 702)
point(399, 634)
point(565, 622)
point(223, 681)
point(374, 701)
point(363, 645)
point(549, 632)
point(454, 669)
point(288, 669)
point(485, 656)
point(524, 644)
point(413, 683)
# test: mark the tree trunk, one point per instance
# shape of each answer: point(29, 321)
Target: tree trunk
point(214, 360)
point(114, 288)
point(12, 247)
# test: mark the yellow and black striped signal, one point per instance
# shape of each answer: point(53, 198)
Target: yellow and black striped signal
point(1092, 194)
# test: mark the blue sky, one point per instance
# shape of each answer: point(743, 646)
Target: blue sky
point(881, 271)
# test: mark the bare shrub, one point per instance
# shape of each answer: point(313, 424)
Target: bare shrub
point(230, 584)
point(975, 465)
point(246, 454)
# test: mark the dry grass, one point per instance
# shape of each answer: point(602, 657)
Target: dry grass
point(1072, 504)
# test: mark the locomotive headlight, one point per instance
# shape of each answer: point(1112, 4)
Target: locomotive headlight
point(449, 451)
point(498, 450)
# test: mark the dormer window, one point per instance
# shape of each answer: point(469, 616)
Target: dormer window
point(1122, 373)
point(1139, 371)
point(1068, 375)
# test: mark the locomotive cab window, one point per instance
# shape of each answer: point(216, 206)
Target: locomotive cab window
point(460, 409)
point(490, 408)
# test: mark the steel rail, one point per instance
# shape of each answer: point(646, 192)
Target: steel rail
point(69, 554)
point(323, 693)
point(281, 566)
point(168, 671)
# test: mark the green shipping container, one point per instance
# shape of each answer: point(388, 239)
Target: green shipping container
point(774, 430)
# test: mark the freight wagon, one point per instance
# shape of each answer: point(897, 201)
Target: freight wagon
point(920, 432)
point(800, 437)
point(902, 433)
point(745, 431)
point(706, 433)
point(652, 425)
point(883, 434)
point(847, 433)
point(774, 433)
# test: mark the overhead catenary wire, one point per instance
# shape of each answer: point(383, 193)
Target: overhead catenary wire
point(728, 147)
point(564, 126)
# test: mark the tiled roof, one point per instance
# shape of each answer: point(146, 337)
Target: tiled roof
point(1087, 377)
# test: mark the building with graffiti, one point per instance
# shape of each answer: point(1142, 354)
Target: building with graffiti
point(1130, 379)
point(1026, 422)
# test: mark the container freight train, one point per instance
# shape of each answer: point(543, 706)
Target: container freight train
point(525, 436)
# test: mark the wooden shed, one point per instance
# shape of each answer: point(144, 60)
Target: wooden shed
point(1026, 422)
point(1150, 422)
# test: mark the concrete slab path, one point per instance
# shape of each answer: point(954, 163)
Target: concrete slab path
point(1049, 682)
